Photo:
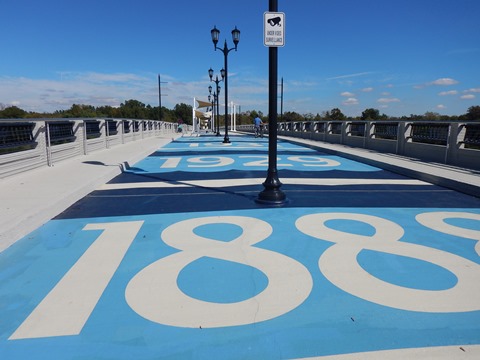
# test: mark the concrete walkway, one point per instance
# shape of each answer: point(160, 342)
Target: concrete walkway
point(158, 250)
point(32, 198)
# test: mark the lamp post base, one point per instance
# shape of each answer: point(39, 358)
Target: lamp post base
point(272, 195)
point(226, 140)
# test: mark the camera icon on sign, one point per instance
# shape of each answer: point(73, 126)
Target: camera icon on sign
point(275, 21)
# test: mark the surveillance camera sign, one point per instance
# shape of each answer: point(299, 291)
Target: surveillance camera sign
point(274, 29)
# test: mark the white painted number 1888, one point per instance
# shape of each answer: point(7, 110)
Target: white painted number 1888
point(66, 309)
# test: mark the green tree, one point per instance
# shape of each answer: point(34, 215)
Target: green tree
point(335, 114)
point(244, 118)
point(370, 114)
point(431, 116)
point(292, 116)
point(12, 112)
point(81, 110)
point(133, 109)
point(184, 113)
point(248, 116)
point(309, 116)
point(473, 113)
point(253, 114)
point(168, 115)
point(155, 113)
point(106, 111)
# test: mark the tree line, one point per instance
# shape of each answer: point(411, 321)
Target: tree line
point(182, 113)
point(130, 109)
point(472, 114)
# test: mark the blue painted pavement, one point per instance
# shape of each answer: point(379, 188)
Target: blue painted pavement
point(174, 259)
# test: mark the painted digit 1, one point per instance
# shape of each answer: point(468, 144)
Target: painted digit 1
point(349, 276)
point(66, 309)
point(154, 294)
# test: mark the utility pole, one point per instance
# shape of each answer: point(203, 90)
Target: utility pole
point(160, 97)
point(281, 101)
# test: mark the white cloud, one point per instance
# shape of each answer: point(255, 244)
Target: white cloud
point(385, 93)
point(444, 81)
point(297, 84)
point(350, 101)
point(475, 90)
point(347, 94)
point(441, 106)
point(387, 100)
point(467, 97)
point(76, 88)
point(438, 82)
point(349, 76)
point(97, 89)
point(451, 92)
point(94, 77)
point(367, 89)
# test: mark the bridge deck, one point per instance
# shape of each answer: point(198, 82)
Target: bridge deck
point(173, 258)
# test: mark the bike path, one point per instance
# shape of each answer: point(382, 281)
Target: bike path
point(174, 259)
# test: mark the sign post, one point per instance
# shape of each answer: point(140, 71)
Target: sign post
point(274, 36)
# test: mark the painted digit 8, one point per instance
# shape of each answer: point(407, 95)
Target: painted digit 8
point(339, 265)
point(436, 221)
point(154, 294)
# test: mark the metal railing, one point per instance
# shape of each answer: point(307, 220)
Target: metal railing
point(452, 143)
point(33, 143)
point(16, 137)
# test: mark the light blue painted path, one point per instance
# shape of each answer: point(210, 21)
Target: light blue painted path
point(251, 283)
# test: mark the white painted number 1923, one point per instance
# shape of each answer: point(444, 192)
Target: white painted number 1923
point(154, 294)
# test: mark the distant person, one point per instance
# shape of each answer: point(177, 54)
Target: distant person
point(258, 125)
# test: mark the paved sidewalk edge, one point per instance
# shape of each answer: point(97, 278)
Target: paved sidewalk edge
point(466, 182)
point(33, 198)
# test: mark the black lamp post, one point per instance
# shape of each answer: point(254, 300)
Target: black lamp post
point(215, 95)
point(216, 130)
point(212, 117)
point(236, 39)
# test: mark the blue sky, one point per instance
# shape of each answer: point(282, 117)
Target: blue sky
point(399, 56)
